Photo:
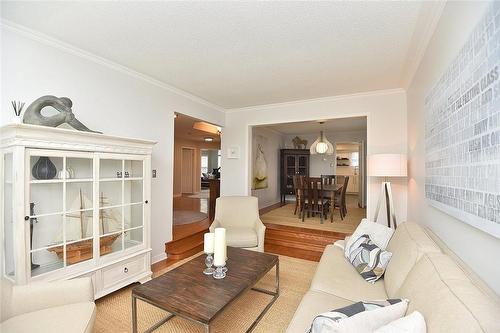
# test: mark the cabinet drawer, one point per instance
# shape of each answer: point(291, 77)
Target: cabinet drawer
point(123, 271)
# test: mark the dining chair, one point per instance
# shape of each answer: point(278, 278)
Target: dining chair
point(298, 181)
point(314, 203)
point(328, 179)
point(340, 200)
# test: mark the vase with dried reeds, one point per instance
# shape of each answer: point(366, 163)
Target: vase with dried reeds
point(18, 109)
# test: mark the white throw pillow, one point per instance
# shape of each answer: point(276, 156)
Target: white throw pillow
point(361, 317)
point(340, 243)
point(413, 323)
point(379, 234)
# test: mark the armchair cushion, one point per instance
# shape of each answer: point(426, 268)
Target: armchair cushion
point(77, 317)
point(241, 237)
point(43, 295)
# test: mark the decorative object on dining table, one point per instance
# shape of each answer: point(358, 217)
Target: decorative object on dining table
point(387, 165)
point(18, 109)
point(220, 253)
point(322, 145)
point(44, 169)
point(208, 248)
point(299, 143)
point(63, 105)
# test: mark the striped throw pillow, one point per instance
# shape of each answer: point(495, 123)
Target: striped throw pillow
point(369, 260)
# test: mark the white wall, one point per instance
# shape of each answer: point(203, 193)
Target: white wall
point(387, 132)
point(106, 97)
point(476, 248)
point(274, 142)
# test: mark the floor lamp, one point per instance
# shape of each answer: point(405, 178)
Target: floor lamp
point(387, 166)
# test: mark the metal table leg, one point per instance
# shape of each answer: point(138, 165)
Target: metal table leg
point(134, 314)
point(274, 293)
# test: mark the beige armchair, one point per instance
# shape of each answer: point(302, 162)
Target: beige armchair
point(48, 307)
point(240, 217)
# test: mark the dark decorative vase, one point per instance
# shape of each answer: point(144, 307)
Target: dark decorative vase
point(44, 168)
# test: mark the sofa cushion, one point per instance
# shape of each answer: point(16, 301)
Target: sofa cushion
point(77, 317)
point(336, 275)
point(312, 304)
point(407, 245)
point(447, 298)
point(241, 237)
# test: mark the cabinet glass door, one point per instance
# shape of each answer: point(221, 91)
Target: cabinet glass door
point(9, 269)
point(121, 204)
point(302, 165)
point(60, 212)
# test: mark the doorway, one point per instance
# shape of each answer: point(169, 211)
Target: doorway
point(187, 170)
point(343, 140)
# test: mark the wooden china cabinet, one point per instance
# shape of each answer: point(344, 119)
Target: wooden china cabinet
point(292, 162)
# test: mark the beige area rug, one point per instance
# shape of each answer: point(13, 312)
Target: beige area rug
point(284, 216)
point(114, 310)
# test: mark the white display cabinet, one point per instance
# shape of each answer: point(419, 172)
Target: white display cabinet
point(75, 204)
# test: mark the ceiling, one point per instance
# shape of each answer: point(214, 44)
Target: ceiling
point(313, 127)
point(238, 54)
point(183, 129)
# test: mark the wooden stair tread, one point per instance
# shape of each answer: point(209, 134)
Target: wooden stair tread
point(299, 242)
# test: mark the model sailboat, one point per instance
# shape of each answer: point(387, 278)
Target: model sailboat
point(80, 226)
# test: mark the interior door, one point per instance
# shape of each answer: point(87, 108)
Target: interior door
point(187, 170)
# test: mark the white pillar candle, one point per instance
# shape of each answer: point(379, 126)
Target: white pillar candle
point(220, 247)
point(208, 241)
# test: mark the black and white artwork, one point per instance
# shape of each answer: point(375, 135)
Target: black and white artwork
point(462, 131)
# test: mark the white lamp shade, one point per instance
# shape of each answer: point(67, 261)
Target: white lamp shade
point(387, 165)
point(322, 146)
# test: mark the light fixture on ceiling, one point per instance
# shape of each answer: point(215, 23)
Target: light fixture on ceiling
point(209, 139)
point(321, 145)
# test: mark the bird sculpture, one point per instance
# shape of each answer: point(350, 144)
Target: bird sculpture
point(33, 114)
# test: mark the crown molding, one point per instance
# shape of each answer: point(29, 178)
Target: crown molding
point(71, 49)
point(319, 100)
point(429, 16)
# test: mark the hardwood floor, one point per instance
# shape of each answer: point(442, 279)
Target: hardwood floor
point(190, 223)
point(286, 234)
point(297, 242)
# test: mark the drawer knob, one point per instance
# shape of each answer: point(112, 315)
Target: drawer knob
point(26, 218)
point(146, 201)
point(125, 270)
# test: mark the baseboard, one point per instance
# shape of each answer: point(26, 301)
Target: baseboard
point(158, 257)
point(267, 209)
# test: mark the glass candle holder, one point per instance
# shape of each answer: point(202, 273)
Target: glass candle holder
point(209, 262)
point(219, 273)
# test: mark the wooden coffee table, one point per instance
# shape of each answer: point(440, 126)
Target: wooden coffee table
point(186, 292)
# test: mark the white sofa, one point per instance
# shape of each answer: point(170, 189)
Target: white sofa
point(240, 216)
point(48, 307)
point(450, 299)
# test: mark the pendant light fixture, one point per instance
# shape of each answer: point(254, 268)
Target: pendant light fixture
point(321, 145)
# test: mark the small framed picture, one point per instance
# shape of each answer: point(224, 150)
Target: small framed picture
point(233, 152)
